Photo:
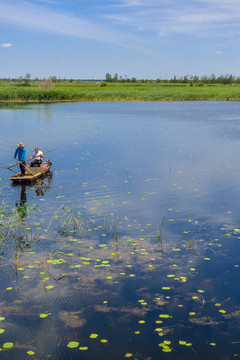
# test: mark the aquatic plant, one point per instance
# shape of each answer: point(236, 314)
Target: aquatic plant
point(16, 235)
point(67, 221)
point(192, 242)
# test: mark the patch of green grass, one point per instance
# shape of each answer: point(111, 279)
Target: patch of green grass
point(93, 91)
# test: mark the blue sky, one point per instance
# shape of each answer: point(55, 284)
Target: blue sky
point(84, 39)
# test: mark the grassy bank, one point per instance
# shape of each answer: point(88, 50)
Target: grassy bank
point(92, 91)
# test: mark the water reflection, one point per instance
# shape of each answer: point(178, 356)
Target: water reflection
point(22, 204)
point(144, 250)
point(40, 187)
point(43, 185)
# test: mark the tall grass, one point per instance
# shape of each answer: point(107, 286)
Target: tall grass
point(116, 92)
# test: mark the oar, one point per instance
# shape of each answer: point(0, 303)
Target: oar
point(48, 151)
point(13, 171)
point(9, 167)
point(42, 154)
point(4, 168)
point(51, 150)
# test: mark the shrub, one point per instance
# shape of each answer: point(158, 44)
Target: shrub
point(47, 84)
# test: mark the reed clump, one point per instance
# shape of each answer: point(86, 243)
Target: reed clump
point(48, 91)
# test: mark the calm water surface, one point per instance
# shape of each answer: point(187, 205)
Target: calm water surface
point(130, 248)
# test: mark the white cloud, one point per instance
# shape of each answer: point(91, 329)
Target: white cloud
point(197, 18)
point(6, 45)
point(128, 23)
point(31, 16)
point(219, 52)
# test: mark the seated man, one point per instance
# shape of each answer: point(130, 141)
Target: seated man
point(38, 157)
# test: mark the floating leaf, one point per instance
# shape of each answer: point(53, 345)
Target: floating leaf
point(30, 352)
point(73, 344)
point(84, 348)
point(44, 315)
point(128, 355)
point(8, 345)
point(93, 336)
point(2, 331)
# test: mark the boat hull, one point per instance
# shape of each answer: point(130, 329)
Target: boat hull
point(32, 173)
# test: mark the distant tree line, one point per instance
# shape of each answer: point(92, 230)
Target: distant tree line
point(26, 80)
point(187, 79)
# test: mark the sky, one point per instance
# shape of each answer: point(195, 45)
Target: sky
point(146, 39)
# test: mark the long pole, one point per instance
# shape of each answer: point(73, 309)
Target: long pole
point(27, 168)
point(9, 167)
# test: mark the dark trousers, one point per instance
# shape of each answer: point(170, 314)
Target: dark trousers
point(22, 167)
point(36, 163)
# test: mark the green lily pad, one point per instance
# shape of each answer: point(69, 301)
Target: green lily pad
point(30, 352)
point(73, 344)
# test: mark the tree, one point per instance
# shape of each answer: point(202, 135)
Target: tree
point(24, 81)
point(108, 77)
point(27, 79)
point(53, 78)
point(115, 79)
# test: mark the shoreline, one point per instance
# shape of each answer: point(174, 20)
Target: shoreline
point(25, 102)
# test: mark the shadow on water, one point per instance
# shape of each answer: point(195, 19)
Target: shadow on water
point(40, 186)
point(22, 204)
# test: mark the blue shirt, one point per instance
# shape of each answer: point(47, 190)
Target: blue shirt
point(21, 153)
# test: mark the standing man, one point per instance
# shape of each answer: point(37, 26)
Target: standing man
point(21, 154)
point(39, 157)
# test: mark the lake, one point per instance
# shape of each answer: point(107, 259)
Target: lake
point(130, 247)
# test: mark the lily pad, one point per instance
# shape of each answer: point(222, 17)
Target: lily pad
point(73, 344)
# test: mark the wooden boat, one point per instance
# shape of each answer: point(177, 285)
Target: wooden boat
point(32, 173)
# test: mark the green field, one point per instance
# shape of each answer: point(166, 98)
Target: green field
point(97, 91)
